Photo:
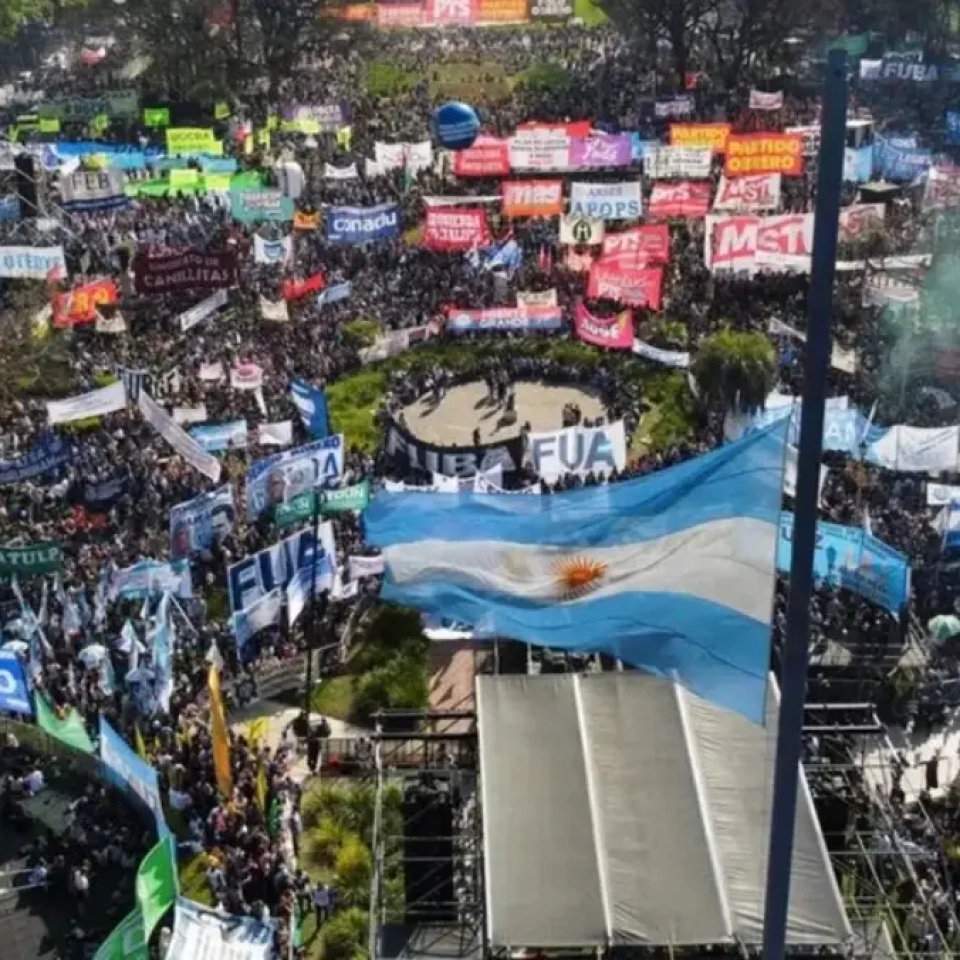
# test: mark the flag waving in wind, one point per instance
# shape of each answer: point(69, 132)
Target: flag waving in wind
point(312, 404)
point(672, 572)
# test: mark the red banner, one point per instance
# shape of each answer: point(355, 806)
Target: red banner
point(452, 13)
point(532, 198)
point(764, 153)
point(401, 15)
point(637, 247)
point(488, 157)
point(455, 228)
point(633, 286)
point(578, 262)
point(685, 199)
point(80, 305)
point(296, 289)
point(502, 11)
point(579, 129)
point(614, 333)
point(169, 270)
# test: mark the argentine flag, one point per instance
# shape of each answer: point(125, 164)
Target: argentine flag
point(673, 573)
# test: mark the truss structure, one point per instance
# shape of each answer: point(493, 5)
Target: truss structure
point(434, 753)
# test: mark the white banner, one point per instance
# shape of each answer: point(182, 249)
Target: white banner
point(748, 243)
point(396, 156)
point(93, 188)
point(275, 434)
point(536, 299)
point(917, 450)
point(750, 194)
point(606, 201)
point(187, 415)
point(33, 263)
point(211, 372)
point(274, 312)
point(330, 172)
point(840, 358)
point(540, 150)
point(681, 163)
point(200, 933)
point(96, 403)
point(579, 450)
point(177, 437)
point(277, 252)
point(765, 101)
point(246, 376)
point(361, 567)
point(582, 230)
point(190, 318)
point(115, 323)
point(940, 495)
point(669, 358)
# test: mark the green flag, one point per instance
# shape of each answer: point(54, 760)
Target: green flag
point(31, 560)
point(126, 941)
point(294, 511)
point(156, 116)
point(157, 884)
point(346, 498)
point(69, 731)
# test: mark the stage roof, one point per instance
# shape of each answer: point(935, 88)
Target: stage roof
point(618, 808)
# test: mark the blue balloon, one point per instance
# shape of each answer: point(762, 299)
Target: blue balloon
point(456, 125)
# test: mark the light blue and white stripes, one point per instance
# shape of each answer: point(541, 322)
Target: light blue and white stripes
point(673, 572)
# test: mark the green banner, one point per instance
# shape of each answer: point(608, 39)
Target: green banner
point(294, 511)
point(33, 559)
point(126, 940)
point(69, 731)
point(156, 116)
point(346, 498)
point(157, 884)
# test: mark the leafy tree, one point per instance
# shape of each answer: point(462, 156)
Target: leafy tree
point(734, 370)
point(354, 869)
point(344, 935)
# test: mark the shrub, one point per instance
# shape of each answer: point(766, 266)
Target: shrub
point(361, 331)
point(354, 869)
point(353, 404)
point(322, 845)
point(344, 936)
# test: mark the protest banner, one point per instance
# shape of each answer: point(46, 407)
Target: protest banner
point(540, 149)
point(746, 242)
point(765, 101)
point(156, 116)
point(536, 299)
point(754, 153)
point(80, 304)
point(455, 228)
point(607, 150)
point(579, 450)
point(452, 13)
point(183, 141)
point(606, 201)
point(613, 333)
point(679, 163)
point(684, 199)
point(648, 245)
point(113, 103)
point(712, 135)
point(503, 318)
point(532, 198)
point(31, 560)
point(401, 15)
point(250, 206)
point(488, 157)
point(584, 231)
point(297, 289)
point(158, 272)
point(551, 9)
point(632, 286)
point(93, 189)
point(33, 263)
point(502, 11)
point(748, 194)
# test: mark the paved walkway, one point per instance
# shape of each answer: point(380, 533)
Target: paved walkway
point(467, 407)
point(279, 716)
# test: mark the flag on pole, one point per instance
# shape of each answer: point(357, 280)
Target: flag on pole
point(263, 788)
point(156, 885)
point(70, 730)
point(138, 742)
point(219, 736)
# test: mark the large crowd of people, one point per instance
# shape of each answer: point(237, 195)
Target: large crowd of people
point(110, 505)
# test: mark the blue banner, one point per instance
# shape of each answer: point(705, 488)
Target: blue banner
point(285, 475)
point(150, 578)
point(334, 294)
point(849, 557)
point(49, 454)
point(953, 127)
point(198, 523)
point(252, 578)
point(218, 164)
point(900, 159)
point(126, 770)
point(362, 224)
point(312, 404)
point(858, 164)
point(124, 156)
point(216, 437)
point(14, 694)
point(9, 208)
point(253, 206)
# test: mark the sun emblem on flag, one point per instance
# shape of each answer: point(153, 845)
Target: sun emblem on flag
point(578, 576)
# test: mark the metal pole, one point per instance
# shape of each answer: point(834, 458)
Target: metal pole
point(312, 628)
point(794, 661)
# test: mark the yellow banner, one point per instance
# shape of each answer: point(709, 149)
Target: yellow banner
point(182, 140)
point(184, 178)
point(219, 736)
point(306, 126)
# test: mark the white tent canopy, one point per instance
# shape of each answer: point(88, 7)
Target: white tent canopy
point(619, 808)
